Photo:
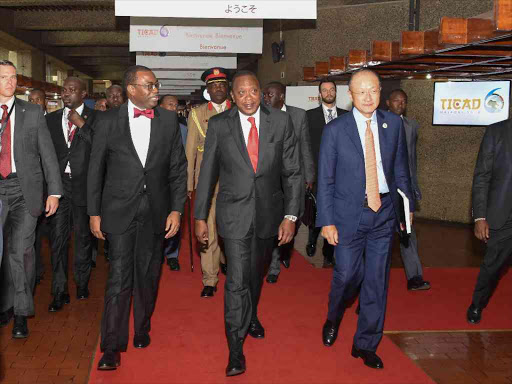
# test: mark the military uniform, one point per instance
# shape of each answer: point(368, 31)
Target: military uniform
point(212, 255)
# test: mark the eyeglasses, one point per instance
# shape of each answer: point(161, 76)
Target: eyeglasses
point(373, 92)
point(150, 86)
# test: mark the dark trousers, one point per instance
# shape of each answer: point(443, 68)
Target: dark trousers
point(135, 264)
point(67, 216)
point(327, 249)
point(42, 230)
point(246, 259)
point(499, 249)
point(284, 252)
point(18, 262)
point(364, 263)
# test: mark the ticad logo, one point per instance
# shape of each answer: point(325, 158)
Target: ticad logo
point(494, 102)
point(164, 32)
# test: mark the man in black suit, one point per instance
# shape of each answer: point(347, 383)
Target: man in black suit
point(274, 96)
point(136, 192)
point(317, 119)
point(26, 151)
point(492, 211)
point(70, 129)
point(252, 152)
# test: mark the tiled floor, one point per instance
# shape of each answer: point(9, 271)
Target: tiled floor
point(61, 345)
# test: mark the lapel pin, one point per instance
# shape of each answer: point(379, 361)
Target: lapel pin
point(85, 116)
point(384, 125)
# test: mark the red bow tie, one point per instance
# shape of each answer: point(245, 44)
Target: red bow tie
point(149, 113)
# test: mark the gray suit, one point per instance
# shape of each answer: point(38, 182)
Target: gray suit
point(409, 254)
point(22, 199)
point(301, 129)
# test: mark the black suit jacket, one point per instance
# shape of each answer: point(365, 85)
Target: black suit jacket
point(301, 128)
point(246, 197)
point(316, 121)
point(77, 154)
point(492, 181)
point(33, 154)
point(117, 177)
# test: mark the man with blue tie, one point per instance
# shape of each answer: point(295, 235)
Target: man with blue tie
point(363, 160)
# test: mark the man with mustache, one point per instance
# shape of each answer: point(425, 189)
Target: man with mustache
point(136, 193)
point(70, 129)
point(217, 86)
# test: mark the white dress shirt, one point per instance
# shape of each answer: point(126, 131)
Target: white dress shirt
point(65, 121)
point(283, 108)
point(246, 125)
point(140, 129)
point(12, 119)
point(220, 107)
point(361, 128)
point(326, 112)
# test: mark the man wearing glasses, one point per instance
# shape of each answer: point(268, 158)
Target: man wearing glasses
point(363, 160)
point(136, 194)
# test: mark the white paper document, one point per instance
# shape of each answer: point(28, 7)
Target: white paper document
point(407, 211)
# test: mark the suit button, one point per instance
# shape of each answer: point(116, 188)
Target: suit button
point(145, 173)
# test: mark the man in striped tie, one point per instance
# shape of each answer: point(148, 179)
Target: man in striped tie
point(252, 152)
point(363, 160)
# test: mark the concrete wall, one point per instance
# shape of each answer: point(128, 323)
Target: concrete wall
point(446, 155)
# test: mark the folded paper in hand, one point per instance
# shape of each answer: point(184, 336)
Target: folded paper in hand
point(407, 211)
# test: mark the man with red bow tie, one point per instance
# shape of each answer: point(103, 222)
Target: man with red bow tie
point(212, 258)
point(136, 193)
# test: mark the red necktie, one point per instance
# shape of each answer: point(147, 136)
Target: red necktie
point(5, 154)
point(149, 113)
point(71, 132)
point(252, 143)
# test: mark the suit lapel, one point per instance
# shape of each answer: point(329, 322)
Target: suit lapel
point(124, 124)
point(18, 127)
point(85, 115)
point(153, 138)
point(263, 136)
point(59, 132)
point(236, 130)
point(353, 133)
point(384, 142)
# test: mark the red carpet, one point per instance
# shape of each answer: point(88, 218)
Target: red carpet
point(189, 345)
point(444, 306)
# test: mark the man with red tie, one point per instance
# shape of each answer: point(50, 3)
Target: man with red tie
point(252, 152)
point(136, 193)
point(70, 129)
point(26, 151)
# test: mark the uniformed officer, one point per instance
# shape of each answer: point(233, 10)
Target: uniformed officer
point(216, 80)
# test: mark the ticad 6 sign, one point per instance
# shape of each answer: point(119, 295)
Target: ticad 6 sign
point(219, 9)
point(156, 35)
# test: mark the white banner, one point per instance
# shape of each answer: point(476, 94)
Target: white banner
point(471, 103)
point(307, 97)
point(155, 60)
point(178, 74)
point(156, 35)
point(219, 9)
point(181, 82)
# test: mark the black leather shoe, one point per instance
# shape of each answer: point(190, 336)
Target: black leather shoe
point(272, 279)
point(236, 366)
point(6, 317)
point(256, 330)
point(370, 358)
point(38, 279)
point(474, 314)
point(173, 264)
point(93, 264)
point(109, 361)
point(82, 293)
point(66, 298)
point(417, 283)
point(141, 340)
point(310, 250)
point(208, 291)
point(330, 332)
point(57, 303)
point(224, 268)
point(20, 329)
point(286, 263)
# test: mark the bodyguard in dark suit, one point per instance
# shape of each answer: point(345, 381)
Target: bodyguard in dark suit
point(27, 150)
point(397, 103)
point(492, 211)
point(274, 96)
point(363, 160)
point(70, 129)
point(317, 119)
point(252, 152)
point(136, 194)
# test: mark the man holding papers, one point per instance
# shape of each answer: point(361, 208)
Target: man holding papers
point(363, 161)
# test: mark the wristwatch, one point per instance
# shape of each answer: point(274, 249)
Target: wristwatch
point(292, 218)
